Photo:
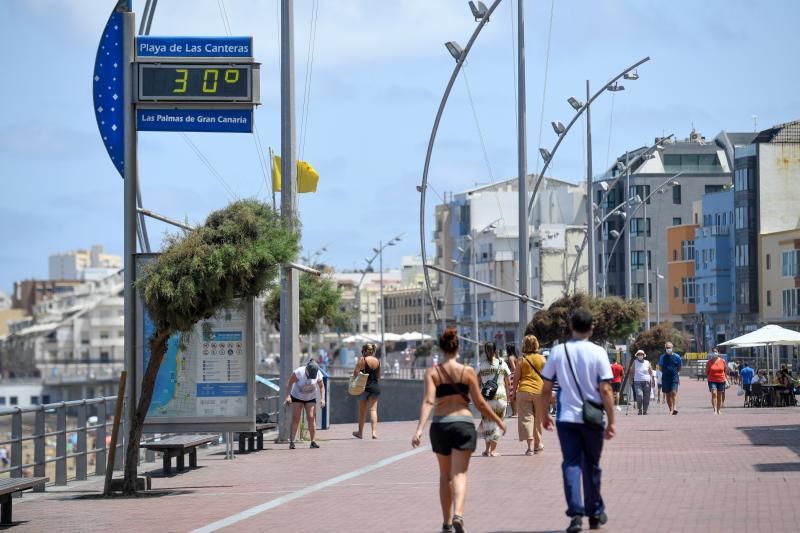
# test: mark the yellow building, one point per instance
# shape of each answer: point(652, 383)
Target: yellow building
point(779, 278)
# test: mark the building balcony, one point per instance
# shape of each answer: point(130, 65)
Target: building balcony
point(116, 322)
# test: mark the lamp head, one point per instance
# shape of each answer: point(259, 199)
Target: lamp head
point(455, 49)
point(575, 103)
point(558, 127)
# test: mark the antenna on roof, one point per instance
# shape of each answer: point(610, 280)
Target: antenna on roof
point(755, 123)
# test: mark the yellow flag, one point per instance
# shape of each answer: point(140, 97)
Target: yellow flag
point(307, 177)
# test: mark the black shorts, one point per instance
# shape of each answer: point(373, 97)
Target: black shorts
point(449, 436)
point(298, 400)
point(616, 387)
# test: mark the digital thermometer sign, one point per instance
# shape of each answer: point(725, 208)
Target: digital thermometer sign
point(195, 82)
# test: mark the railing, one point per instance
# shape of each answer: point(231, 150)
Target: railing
point(389, 373)
point(44, 432)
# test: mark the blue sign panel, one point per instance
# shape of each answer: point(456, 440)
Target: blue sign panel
point(210, 390)
point(148, 46)
point(203, 120)
point(107, 89)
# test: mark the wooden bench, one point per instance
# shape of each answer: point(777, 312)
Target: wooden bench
point(250, 441)
point(178, 446)
point(8, 486)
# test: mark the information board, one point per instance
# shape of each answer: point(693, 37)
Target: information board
point(199, 120)
point(207, 378)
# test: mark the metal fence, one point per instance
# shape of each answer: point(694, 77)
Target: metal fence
point(59, 438)
point(391, 373)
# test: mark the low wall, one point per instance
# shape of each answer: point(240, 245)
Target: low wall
point(400, 400)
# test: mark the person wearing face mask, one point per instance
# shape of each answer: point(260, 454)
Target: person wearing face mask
point(670, 364)
point(642, 381)
point(715, 373)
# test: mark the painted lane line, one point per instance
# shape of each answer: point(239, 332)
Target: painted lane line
point(266, 506)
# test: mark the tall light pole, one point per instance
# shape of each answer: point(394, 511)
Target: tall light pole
point(589, 196)
point(290, 300)
point(658, 297)
point(522, 175)
point(379, 252)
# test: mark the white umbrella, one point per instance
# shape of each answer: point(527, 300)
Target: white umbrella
point(770, 335)
point(414, 336)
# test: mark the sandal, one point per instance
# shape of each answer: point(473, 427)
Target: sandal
point(540, 449)
point(484, 454)
point(458, 524)
point(528, 452)
point(357, 435)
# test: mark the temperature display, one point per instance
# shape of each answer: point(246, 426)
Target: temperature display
point(195, 82)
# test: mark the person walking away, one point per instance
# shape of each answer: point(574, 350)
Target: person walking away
point(585, 376)
point(658, 384)
point(368, 400)
point(670, 364)
point(643, 380)
point(715, 374)
point(496, 369)
point(304, 386)
point(528, 386)
point(746, 373)
point(448, 389)
point(513, 361)
point(616, 383)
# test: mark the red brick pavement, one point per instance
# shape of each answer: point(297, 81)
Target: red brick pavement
point(739, 471)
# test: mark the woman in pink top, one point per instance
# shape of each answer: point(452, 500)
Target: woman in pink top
point(715, 373)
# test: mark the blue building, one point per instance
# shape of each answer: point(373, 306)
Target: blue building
point(714, 271)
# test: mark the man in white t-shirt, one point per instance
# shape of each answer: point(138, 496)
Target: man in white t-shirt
point(643, 381)
point(583, 372)
point(304, 387)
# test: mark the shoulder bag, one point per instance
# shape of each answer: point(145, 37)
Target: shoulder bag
point(358, 383)
point(533, 367)
point(592, 411)
point(489, 389)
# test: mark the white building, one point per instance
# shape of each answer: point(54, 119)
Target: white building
point(484, 222)
point(83, 265)
point(363, 302)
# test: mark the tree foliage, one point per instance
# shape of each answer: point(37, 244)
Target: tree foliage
point(652, 340)
point(614, 318)
point(237, 253)
point(320, 303)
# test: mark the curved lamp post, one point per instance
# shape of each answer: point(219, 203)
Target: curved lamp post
point(460, 55)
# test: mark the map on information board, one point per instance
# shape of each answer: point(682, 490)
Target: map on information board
point(204, 372)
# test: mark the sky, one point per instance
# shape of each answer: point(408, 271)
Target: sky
point(377, 72)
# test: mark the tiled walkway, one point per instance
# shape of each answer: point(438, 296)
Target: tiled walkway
point(692, 472)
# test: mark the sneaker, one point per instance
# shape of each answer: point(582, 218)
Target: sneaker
point(447, 528)
point(291, 445)
point(619, 408)
point(314, 444)
point(596, 522)
point(575, 524)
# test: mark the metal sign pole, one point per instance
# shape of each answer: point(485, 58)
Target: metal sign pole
point(129, 215)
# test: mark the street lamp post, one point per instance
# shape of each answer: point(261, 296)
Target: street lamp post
point(379, 252)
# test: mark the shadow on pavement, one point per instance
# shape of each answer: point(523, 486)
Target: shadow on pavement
point(787, 436)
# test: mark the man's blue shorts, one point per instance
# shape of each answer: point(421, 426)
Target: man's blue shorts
point(671, 386)
point(716, 386)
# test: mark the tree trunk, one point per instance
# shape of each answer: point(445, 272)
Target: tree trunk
point(158, 347)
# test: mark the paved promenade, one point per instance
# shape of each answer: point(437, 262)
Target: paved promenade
point(692, 472)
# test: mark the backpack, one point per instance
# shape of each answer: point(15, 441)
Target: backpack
point(489, 389)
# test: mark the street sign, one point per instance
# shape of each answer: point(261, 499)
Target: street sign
point(202, 120)
point(148, 47)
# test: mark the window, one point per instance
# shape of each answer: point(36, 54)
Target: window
point(639, 226)
point(675, 292)
point(643, 191)
point(104, 357)
point(676, 221)
point(740, 179)
point(45, 399)
point(789, 263)
point(743, 294)
point(676, 194)
point(769, 298)
point(769, 263)
point(638, 258)
point(791, 303)
point(714, 188)
point(103, 334)
point(687, 250)
point(675, 254)
point(84, 340)
point(34, 400)
point(638, 291)
point(742, 255)
point(13, 400)
point(2, 400)
point(688, 290)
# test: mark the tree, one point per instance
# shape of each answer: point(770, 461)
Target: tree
point(614, 318)
point(320, 303)
point(237, 253)
point(652, 340)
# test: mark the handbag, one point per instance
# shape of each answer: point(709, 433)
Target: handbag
point(592, 411)
point(489, 389)
point(533, 367)
point(357, 383)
